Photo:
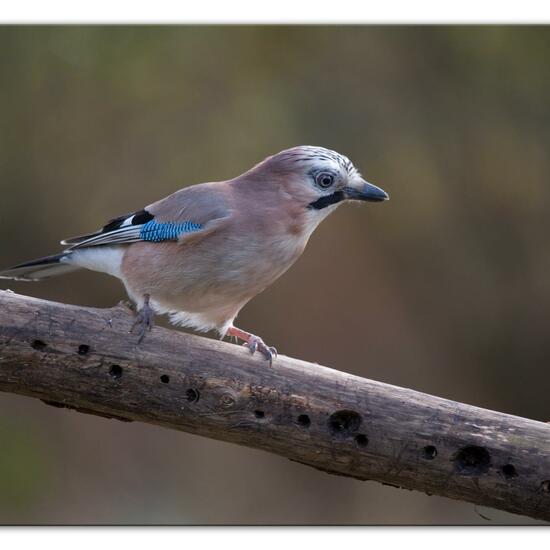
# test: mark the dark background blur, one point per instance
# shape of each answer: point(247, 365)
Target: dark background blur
point(445, 289)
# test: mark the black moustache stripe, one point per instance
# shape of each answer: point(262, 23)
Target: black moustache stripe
point(327, 200)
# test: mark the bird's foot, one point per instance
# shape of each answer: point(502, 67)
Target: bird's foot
point(145, 319)
point(254, 343)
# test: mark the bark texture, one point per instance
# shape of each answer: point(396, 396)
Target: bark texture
point(84, 359)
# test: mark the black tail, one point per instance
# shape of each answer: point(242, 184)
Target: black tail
point(42, 268)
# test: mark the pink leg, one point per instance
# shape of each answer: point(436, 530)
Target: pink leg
point(253, 343)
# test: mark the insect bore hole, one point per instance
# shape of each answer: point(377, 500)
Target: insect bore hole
point(430, 452)
point(361, 440)
point(38, 345)
point(343, 423)
point(192, 395)
point(83, 349)
point(509, 471)
point(472, 460)
point(304, 421)
point(259, 414)
point(115, 371)
point(165, 378)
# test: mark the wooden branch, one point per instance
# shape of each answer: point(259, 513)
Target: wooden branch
point(84, 359)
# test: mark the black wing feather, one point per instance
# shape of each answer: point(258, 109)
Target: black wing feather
point(138, 218)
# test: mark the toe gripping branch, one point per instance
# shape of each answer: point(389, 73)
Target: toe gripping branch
point(254, 343)
point(145, 321)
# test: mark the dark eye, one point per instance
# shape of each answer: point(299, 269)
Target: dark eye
point(324, 180)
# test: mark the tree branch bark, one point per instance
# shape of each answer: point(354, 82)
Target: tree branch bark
point(84, 359)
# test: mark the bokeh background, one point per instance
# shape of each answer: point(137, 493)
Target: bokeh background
point(445, 289)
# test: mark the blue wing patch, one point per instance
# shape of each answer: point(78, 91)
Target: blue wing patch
point(156, 232)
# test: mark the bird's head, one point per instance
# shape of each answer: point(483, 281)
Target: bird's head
point(320, 179)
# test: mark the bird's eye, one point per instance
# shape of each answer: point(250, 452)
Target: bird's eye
point(324, 180)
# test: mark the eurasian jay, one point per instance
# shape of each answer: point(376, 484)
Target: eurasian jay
point(203, 252)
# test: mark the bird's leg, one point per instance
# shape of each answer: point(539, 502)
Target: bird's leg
point(253, 343)
point(145, 318)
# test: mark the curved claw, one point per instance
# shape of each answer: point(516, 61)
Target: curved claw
point(252, 345)
point(255, 343)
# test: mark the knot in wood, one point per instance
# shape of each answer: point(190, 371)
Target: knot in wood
point(227, 400)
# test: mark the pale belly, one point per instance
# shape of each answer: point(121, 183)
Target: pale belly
point(205, 283)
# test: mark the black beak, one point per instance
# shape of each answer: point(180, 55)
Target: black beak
point(365, 192)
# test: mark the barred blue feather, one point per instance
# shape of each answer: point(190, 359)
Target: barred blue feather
point(156, 232)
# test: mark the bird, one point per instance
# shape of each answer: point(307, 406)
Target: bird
point(200, 254)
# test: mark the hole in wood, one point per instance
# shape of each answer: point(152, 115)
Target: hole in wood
point(509, 471)
point(344, 422)
point(192, 395)
point(545, 486)
point(259, 414)
point(115, 371)
point(361, 440)
point(55, 404)
point(430, 452)
point(165, 379)
point(304, 421)
point(38, 345)
point(83, 349)
point(472, 460)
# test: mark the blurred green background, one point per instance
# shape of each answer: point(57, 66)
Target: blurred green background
point(445, 289)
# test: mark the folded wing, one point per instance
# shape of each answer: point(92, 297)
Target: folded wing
point(190, 213)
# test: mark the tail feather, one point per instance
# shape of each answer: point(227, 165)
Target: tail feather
point(41, 268)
